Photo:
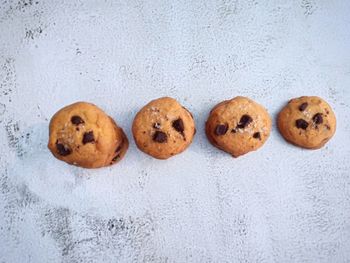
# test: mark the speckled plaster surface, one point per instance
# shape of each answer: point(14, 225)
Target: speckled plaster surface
point(280, 204)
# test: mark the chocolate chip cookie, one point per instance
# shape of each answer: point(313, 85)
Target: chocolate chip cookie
point(308, 122)
point(83, 135)
point(163, 128)
point(238, 126)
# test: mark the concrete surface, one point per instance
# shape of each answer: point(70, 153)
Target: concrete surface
point(280, 204)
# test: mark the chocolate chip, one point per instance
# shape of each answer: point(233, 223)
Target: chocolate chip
point(328, 127)
point(303, 106)
point(178, 125)
point(156, 125)
point(317, 118)
point(233, 130)
point(63, 149)
point(160, 137)
point(77, 129)
point(301, 124)
point(88, 137)
point(221, 129)
point(257, 135)
point(76, 120)
point(244, 121)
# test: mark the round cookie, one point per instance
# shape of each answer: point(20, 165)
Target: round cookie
point(238, 126)
point(308, 122)
point(83, 135)
point(163, 128)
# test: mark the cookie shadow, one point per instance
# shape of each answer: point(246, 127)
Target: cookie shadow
point(200, 143)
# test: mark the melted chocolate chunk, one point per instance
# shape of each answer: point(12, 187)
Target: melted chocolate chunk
point(257, 135)
point(76, 120)
point(221, 129)
point(178, 125)
point(301, 124)
point(160, 137)
point(88, 137)
point(244, 121)
point(317, 118)
point(303, 106)
point(62, 149)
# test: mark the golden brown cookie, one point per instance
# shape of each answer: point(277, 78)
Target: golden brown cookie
point(308, 122)
point(238, 126)
point(163, 128)
point(83, 135)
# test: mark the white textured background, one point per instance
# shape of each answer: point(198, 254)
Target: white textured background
point(280, 204)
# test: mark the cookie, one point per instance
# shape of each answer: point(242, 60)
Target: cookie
point(163, 128)
point(238, 126)
point(83, 135)
point(308, 122)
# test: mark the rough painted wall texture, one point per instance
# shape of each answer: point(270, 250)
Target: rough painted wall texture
point(280, 204)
